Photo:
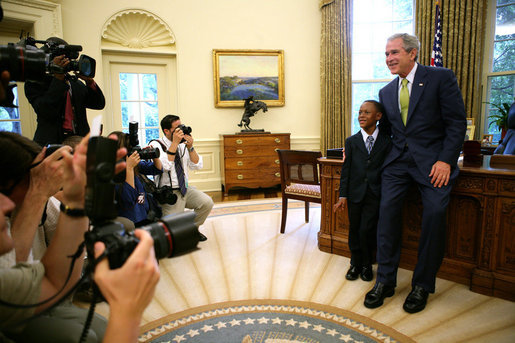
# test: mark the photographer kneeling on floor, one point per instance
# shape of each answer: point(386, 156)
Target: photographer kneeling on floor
point(26, 284)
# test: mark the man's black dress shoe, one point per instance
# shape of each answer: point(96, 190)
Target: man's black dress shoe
point(366, 273)
point(353, 273)
point(416, 300)
point(202, 237)
point(376, 296)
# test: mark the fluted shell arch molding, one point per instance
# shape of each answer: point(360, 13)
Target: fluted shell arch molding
point(137, 29)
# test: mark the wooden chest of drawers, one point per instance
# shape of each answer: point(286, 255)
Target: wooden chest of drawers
point(250, 160)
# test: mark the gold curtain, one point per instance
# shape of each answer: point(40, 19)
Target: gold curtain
point(335, 73)
point(462, 43)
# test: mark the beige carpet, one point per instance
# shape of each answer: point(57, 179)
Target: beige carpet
point(245, 257)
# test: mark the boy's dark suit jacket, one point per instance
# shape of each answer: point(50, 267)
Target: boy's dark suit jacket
point(361, 170)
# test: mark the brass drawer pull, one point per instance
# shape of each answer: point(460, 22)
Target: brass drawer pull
point(276, 149)
point(239, 152)
point(276, 161)
point(239, 163)
point(239, 141)
point(240, 177)
point(277, 140)
point(278, 174)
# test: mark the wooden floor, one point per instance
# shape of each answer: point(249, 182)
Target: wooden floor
point(245, 194)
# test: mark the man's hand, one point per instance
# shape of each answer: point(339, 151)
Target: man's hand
point(89, 80)
point(440, 173)
point(189, 141)
point(47, 177)
point(129, 298)
point(61, 61)
point(340, 205)
point(177, 137)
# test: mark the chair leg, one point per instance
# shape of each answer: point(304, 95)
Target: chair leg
point(306, 210)
point(284, 213)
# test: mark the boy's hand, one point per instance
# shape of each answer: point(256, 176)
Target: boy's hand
point(340, 205)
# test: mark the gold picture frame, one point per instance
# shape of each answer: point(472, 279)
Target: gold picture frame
point(469, 135)
point(239, 74)
point(488, 139)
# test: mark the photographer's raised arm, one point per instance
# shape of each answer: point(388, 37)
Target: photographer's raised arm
point(128, 300)
point(71, 227)
point(45, 180)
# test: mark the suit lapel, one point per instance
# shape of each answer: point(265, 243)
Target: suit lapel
point(419, 84)
point(358, 140)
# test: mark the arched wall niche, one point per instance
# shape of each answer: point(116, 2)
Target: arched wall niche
point(136, 29)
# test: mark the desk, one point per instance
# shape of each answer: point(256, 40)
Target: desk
point(480, 244)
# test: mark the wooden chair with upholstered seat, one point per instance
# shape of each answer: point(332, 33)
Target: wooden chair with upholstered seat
point(299, 179)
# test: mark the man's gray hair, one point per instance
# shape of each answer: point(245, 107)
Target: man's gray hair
point(409, 42)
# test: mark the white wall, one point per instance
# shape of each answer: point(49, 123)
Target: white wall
point(203, 25)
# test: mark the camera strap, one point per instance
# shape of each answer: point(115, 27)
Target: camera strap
point(164, 147)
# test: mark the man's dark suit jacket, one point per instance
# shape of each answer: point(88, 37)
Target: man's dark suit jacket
point(436, 123)
point(361, 170)
point(49, 101)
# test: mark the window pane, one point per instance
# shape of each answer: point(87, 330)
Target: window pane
point(130, 112)
point(373, 22)
point(149, 82)
point(150, 134)
point(504, 22)
point(129, 86)
point(501, 90)
point(10, 116)
point(150, 114)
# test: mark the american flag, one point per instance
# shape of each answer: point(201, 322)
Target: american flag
point(436, 54)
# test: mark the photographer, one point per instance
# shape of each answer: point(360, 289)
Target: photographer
point(133, 200)
point(60, 101)
point(31, 283)
point(177, 156)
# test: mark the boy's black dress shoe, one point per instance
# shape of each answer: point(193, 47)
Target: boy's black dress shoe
point(416, 300)
point(375, 297)
point(202, 238)
point(366, 273)
point(353, 273)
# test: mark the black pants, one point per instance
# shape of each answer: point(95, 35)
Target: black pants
point(362, 231)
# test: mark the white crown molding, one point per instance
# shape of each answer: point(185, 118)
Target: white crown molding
point(45, 15)
point(137, 29)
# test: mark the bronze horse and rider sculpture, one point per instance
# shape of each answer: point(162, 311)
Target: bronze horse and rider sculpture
point(251, 107)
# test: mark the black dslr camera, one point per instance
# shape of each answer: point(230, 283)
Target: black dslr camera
point(173, 234)
point(145, 154)
point(185, 129)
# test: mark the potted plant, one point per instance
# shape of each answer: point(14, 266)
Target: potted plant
point(500, 119)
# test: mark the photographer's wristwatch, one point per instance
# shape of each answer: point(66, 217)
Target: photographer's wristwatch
point(72, 212)
point(191, 149)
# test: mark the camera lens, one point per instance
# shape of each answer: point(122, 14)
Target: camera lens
point(149, 153)
point(174, 234)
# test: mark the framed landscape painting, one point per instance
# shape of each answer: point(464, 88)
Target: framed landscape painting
point(240, 74)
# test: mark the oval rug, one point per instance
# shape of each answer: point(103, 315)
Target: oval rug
point(268, 321)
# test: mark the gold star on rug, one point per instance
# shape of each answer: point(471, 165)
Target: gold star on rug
point(291, 322)
point(207, 328)
point(304, 325)
point(263, 320)
point(220, 325)
point(193, 333)
point(249, 321)
point(234, 322)
point(277, 320)
point(318, 328)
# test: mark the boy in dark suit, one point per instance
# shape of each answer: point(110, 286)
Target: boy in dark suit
point(360, 188)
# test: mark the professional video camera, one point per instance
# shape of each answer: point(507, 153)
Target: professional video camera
point(53, 47)
point(145, 154)
point(26, 62)
point(173, 234)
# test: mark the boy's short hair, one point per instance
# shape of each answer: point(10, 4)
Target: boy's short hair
point(379, 107)
point(166, 122)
